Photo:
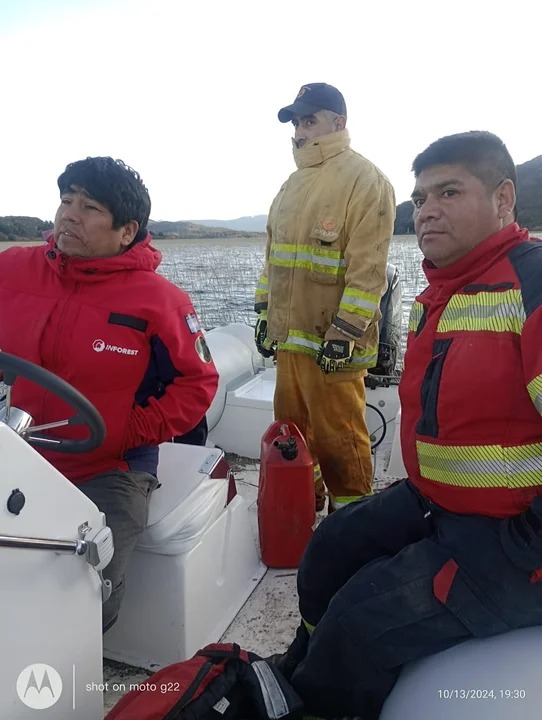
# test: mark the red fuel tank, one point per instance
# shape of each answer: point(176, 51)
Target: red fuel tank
point(286, 508)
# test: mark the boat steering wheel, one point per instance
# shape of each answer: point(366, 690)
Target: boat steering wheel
point(86, 414)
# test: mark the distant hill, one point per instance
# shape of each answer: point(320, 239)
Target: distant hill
point(403, 219)
point(529, 191)
point(529, 199)
point(252, 223)
point(16, 228)
point(183, 229)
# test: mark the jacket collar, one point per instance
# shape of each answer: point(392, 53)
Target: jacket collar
point(321, 149)
point(141, 256)
point(477, 261)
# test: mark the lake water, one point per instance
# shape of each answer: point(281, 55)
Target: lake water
point(221, 275)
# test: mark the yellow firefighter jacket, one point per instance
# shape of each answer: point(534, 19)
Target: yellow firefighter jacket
point(328, 235)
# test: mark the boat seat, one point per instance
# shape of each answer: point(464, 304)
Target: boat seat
point(497, 678)
point(194, 566)
point(188, 501)
point(248, 412)
point(436, 686)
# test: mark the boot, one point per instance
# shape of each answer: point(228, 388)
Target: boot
point(287, 662)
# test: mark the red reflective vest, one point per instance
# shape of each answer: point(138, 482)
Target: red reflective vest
point(471, 392)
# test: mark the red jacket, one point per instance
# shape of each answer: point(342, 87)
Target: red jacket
point(121, 334)
point(471, 392)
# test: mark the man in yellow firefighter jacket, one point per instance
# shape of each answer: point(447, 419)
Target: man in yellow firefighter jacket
point(328, 235)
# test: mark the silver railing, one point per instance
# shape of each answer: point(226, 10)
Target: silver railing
point(73, 547)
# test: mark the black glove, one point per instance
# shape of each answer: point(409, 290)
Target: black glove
point(335, 354)
point(266, 347)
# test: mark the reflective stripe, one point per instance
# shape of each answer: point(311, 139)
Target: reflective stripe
point(307, 257)
point(290, 249)
point(297, 346)
point(416, 313)
point(493, 311)
point(481, 465)
point(319, 267)
point(276, 704)
point(535, 391)
point(348, 307)
point(359, 302)
point(339, 502)
point(262, 288)
point(299, 341)
point(364, 358)
point(316, 473)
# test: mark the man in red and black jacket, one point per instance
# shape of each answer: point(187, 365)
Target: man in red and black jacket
point(90, 307)
point(454, 551)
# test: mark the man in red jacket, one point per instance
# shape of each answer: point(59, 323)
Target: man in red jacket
point(454, 551)
point(90, 307)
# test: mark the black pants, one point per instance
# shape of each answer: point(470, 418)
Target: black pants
point(392, 578)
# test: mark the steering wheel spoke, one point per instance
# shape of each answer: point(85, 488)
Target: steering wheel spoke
point(85, 412)
point(48, 426)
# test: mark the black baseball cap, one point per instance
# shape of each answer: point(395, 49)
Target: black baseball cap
point(314, 97)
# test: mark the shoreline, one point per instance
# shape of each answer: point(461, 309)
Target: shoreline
point(168, 243)
point(158, 243)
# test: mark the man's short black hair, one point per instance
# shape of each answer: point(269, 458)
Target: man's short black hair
point(113, 184)
point(482, 153)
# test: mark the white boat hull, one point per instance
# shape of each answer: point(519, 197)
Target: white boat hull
point(50, 603)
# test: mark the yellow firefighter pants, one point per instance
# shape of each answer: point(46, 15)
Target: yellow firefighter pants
point(329, 410)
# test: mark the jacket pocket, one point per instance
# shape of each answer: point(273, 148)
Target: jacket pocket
point(428, 423)
point(326, 259)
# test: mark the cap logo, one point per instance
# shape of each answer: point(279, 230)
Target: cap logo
point(302, 91)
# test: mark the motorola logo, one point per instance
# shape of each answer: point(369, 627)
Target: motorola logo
point(39, 686)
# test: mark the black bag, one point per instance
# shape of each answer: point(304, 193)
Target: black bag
point(221, 682)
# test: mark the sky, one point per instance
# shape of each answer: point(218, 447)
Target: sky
point(187, 91)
